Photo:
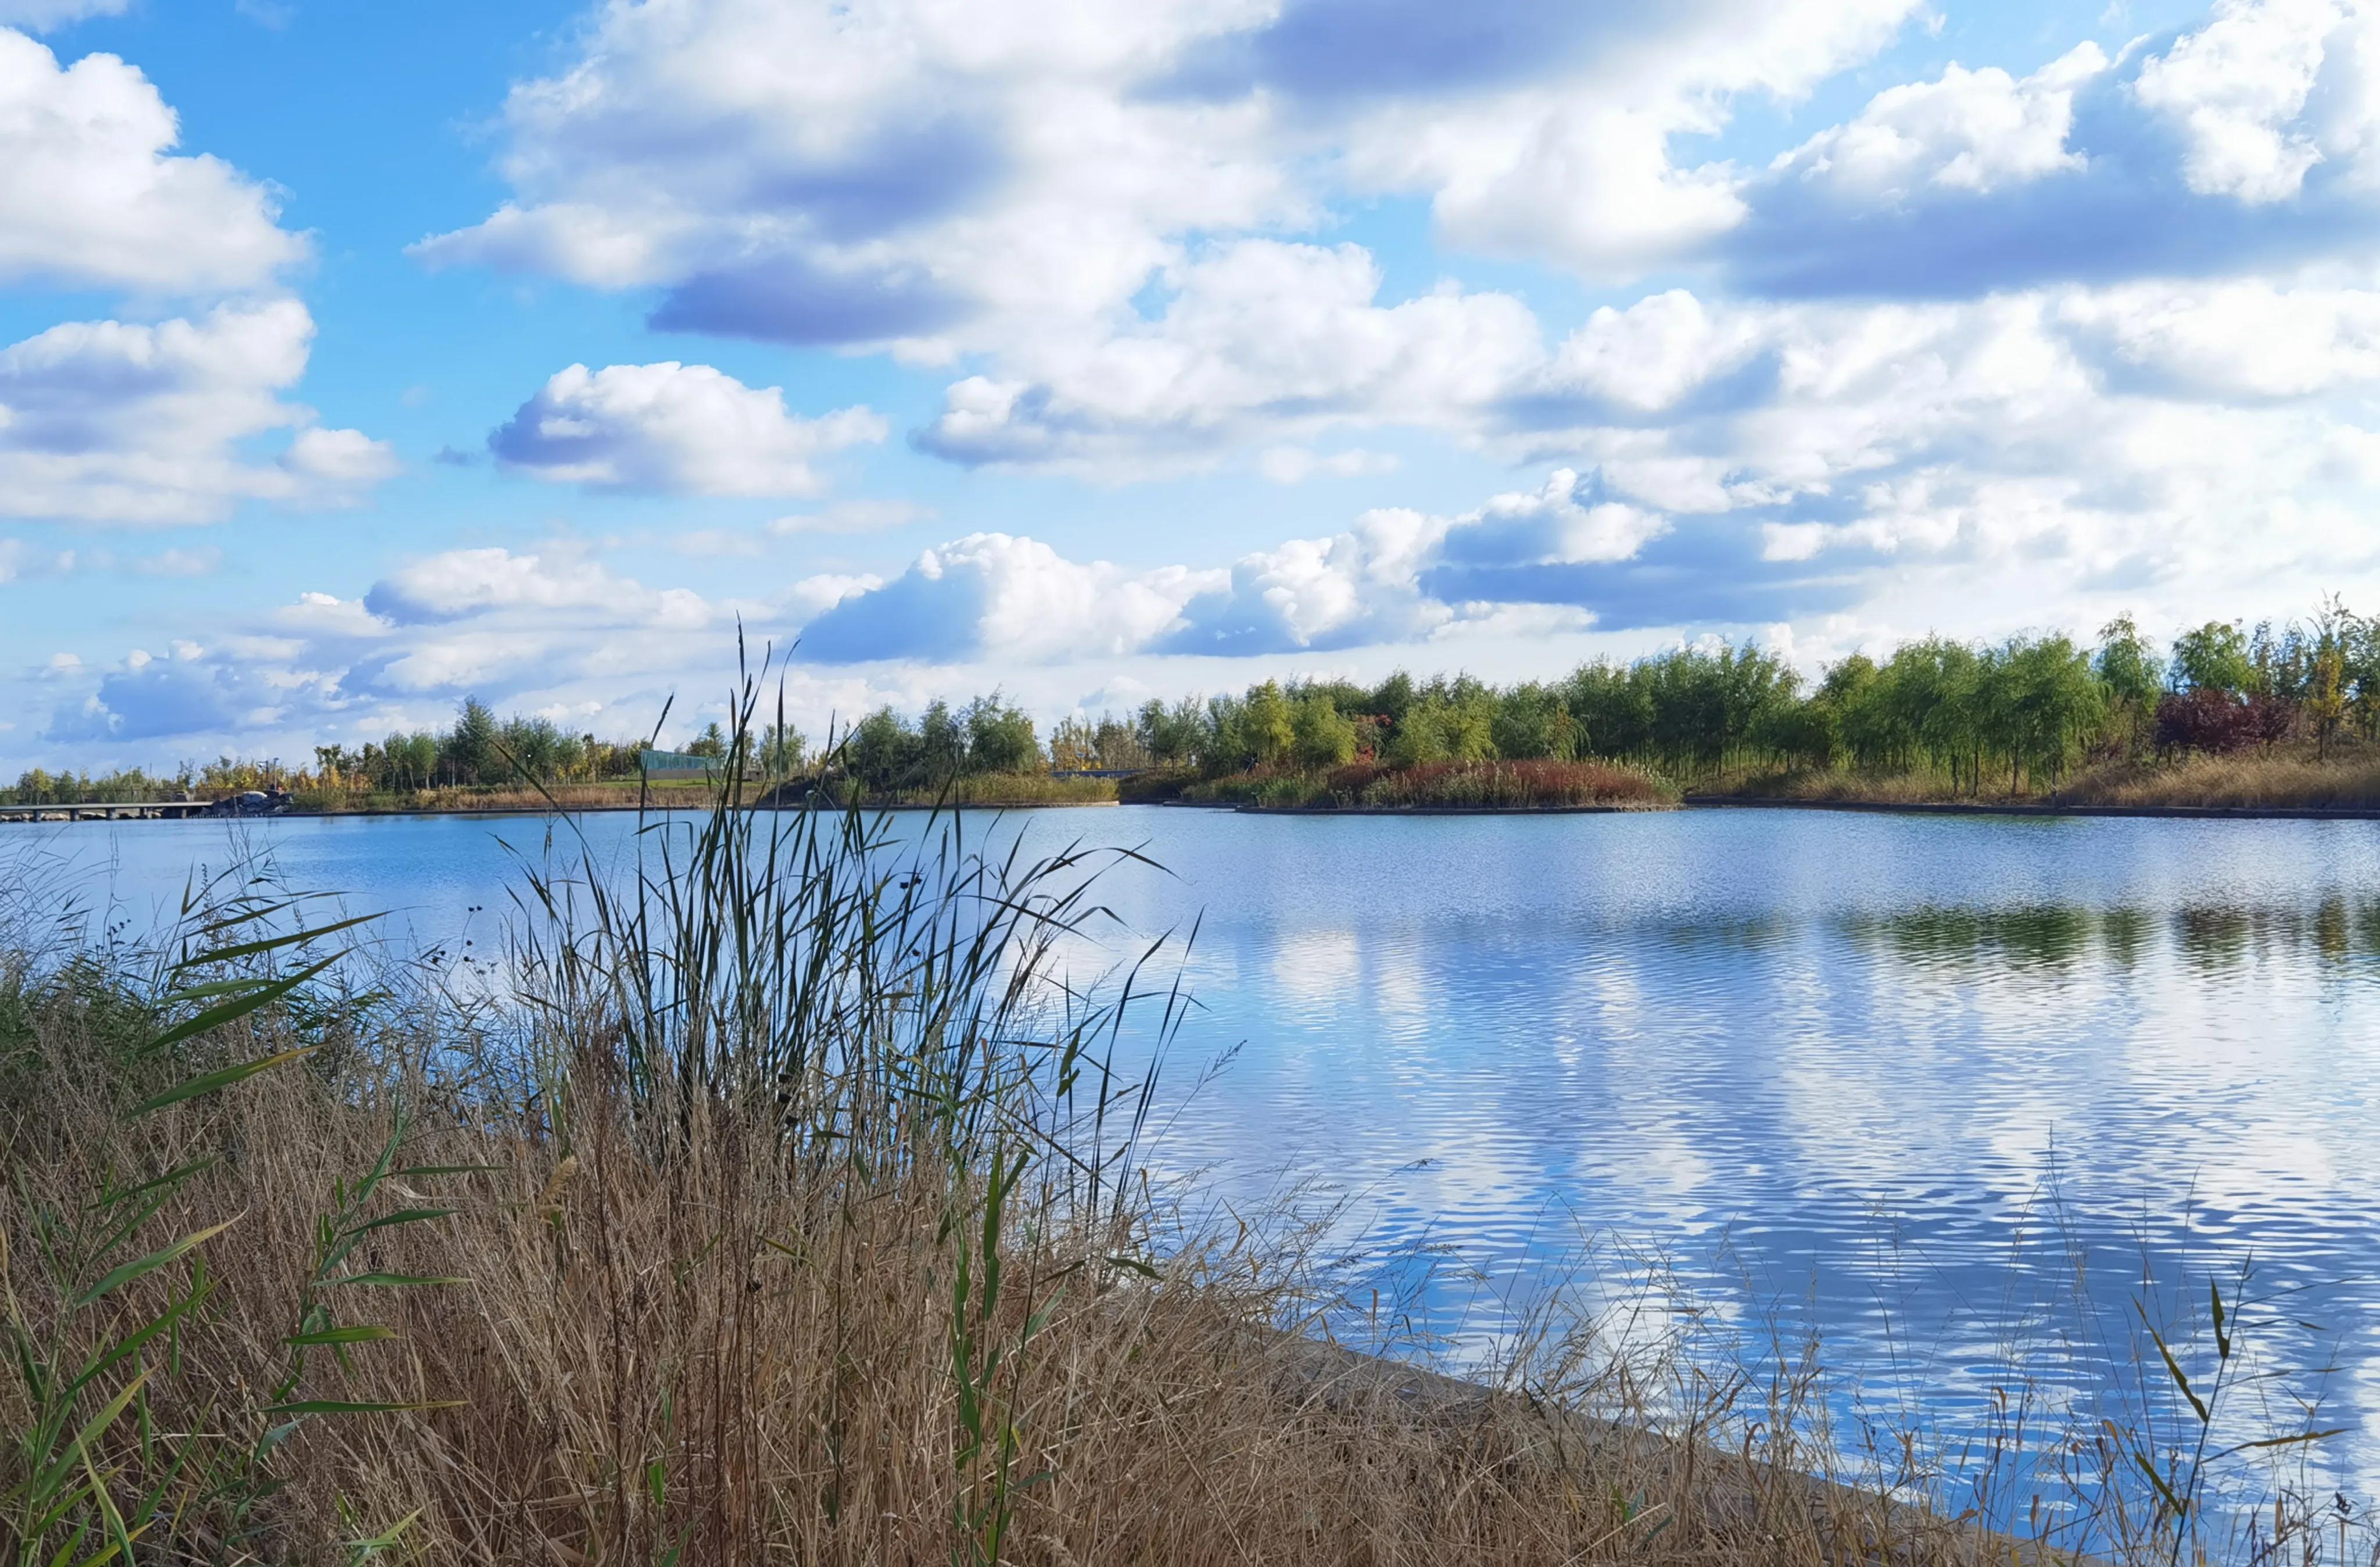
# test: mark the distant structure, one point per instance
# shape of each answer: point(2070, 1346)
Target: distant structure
point(667, 766)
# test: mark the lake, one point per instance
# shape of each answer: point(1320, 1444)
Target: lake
point(1949, 1093)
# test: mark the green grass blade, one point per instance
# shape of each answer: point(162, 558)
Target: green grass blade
point(402, 1216)
point(251, 949)
point(396, 1280)
point(131, 1346)
point(360, 1334)
point(345, 1406)
point(210, 1082)
point(150, 1264)
point(237, 1008)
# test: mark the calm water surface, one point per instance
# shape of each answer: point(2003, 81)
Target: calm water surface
point(1945, 1091)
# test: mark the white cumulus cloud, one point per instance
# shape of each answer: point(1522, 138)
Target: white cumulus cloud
point(94, 195)
point(1019, 596)
point(2238, 89)
point(1970, 130)
point(129, 422)
point(1260, 336)
point(674, 428)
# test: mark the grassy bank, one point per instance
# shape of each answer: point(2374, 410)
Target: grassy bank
point(1487, 785)
point(2289, 777)
point(1009, 789)
point(782, 1202)
point(988, 790)
point(615, 794)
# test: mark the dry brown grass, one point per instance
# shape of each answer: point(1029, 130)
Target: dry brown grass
point(619, 796)
point(1425, 787)
point(2287, 780)
point(2290, 777)
point(1918, 788)
point(713, 1358)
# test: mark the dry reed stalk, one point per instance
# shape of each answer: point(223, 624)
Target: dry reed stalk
point(712, 1360)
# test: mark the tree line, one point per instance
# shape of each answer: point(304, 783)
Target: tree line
point(2026, 712)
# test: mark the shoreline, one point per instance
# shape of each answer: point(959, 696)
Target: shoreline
point(62, 816)
point(1337, 1377)
point(1439, 810)
point(1949, 808)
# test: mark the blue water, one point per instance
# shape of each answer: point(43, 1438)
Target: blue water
point(1950, 1094)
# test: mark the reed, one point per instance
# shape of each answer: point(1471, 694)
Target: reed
point(782, 1197)
point(2291, 777)
point(1439, 786)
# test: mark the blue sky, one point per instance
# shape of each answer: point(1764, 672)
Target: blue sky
point(354, 358)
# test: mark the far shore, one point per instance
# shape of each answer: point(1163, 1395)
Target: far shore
point(667, 805)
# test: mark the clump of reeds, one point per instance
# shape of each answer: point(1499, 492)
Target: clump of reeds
point(787, 1205)
point(1506, 786)
point(2293, 779)
point(1436, 786)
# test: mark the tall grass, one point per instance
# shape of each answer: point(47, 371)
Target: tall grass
point(784, 1200)
point(1439, 786)
point(2289, 777)
point(2292, 778)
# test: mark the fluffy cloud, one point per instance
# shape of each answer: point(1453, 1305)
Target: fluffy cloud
point(2238, 90)
point(1377, 582)
point(1166, 151)
point(118, 422)
point(1970, 131)
point(95, 196)
point(1350, 589)
point(153, 699)
point(1258, 336)
point(1562, 152)
point(990, 591)
point(768, 166)
point(468, 582)
point(494, 620)
point(143, 419)
point(2240, 341)
point(2245, 142)
point(674, 428)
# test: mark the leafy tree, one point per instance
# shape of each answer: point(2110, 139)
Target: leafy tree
point(1178, 734)
point(2052, 699)
point(468, 753)
point(2325, 704)
point(2128, 667)
point(1392, 697)
point(943, 744)
point(879, 751)
point(1531, 721)
point(2214, 658)
point(1320, 735)
point(1269, 729)
point(1613, 707)
point(533, 744)
point(1000, 737)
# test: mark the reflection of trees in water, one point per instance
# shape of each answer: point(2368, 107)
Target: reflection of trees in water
point(2213, 936)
